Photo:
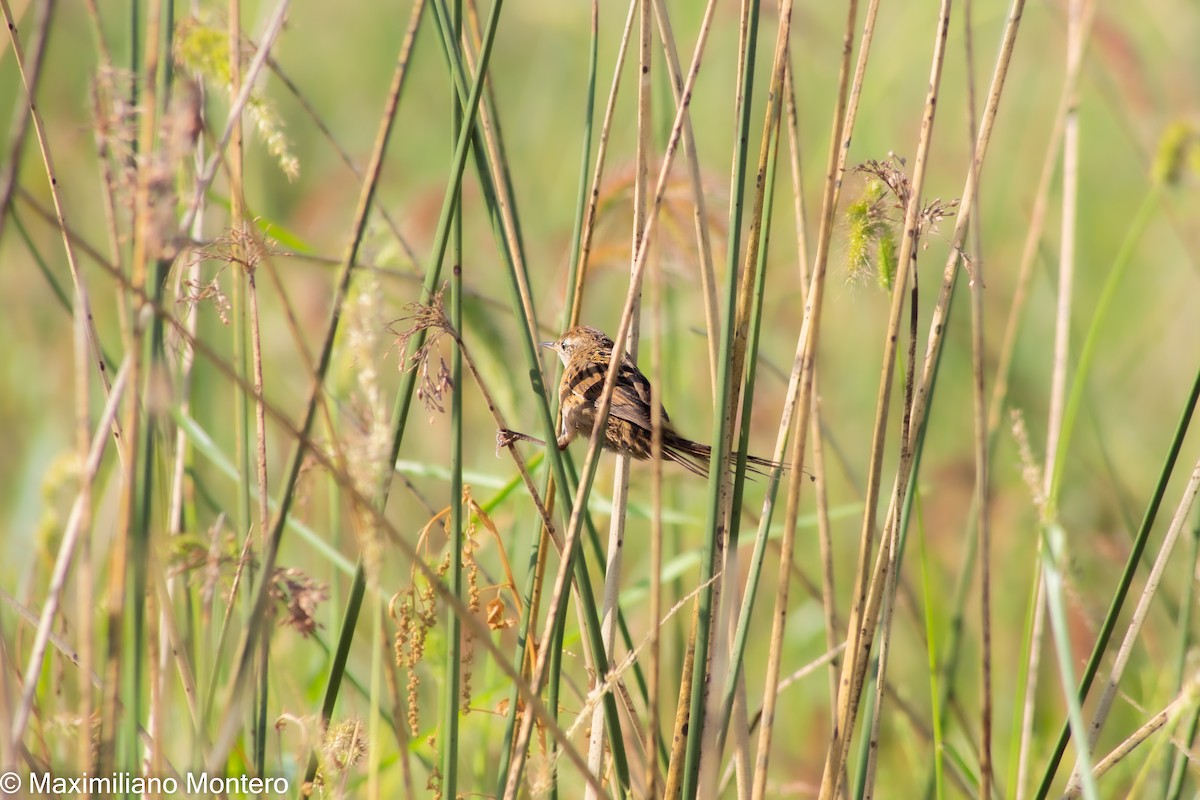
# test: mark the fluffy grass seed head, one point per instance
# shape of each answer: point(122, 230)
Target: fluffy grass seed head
point(202, 47)
point(875, 219)
point(299, 595)
point(435, 379)
point(1178, 153)
point(867, 227)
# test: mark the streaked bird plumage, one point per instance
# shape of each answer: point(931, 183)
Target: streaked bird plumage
point(586, 354)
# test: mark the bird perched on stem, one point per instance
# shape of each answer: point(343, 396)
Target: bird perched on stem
point(586, 354)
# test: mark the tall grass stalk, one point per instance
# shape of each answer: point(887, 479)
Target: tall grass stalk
point(538, 555)
point(1176, 763)
point(1052, 534)
point(74, 535)
point(732, 711)
point(31, 67)
point(616, 531)
point(708, 281)
point(1074, 400)
point(449, 738)
point(939, 323)
point(1072, 70)
point(652, 776)
point(206, 351)
point(981, 499)
point(30, 71)
point(82, 312)
point(1053, 552)
point(820, 487)
point(727, 386)
point(929, 598)
point(499, 196)
point(602, 411)
point(865, 606)
point(1104, 705)
point(153, 560)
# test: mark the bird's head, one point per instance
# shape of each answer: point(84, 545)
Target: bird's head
point(580, 339)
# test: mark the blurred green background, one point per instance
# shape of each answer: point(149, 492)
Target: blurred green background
point(1141, 76)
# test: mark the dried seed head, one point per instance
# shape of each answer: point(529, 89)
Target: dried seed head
point(299, 595)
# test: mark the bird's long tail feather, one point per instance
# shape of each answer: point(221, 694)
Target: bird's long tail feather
point(696, 457)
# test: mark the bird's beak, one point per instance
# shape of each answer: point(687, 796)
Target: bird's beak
point(551, 345)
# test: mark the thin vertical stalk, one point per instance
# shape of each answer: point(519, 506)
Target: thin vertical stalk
point(74, 531)
point(603, 407)
point(155, 637)
point(449, 733)
point(732, 711)
point(862, 618)
point(1176, 764)
point(292, 472)
point(30, 80)
point(1037, 219)
point(896, 532)
point(1027, 680)
point(800, 386)
point(241, 335)
point(654, 654)
point(620, 495)
point(249, 364)
point(1053, 556)
point(19, 127)
point(1104, 705)
point(127, 581)
point(1066, 257)
point(935, 694)
point(708, 281)
point(499, 200)
point(820, 490)
point(980, 501)
point(537, 557)
point(1020, 295)
point(1078, 31)
point(85, 576)
point(359, 582)
point(729, 373)
point(584, 250)
point(754, 271)
point(379, 651)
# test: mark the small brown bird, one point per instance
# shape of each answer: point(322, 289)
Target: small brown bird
point(586, 354)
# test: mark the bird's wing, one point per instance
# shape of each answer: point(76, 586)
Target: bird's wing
point(631, 395)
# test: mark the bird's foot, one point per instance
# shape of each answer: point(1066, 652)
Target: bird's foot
point(507, 438)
